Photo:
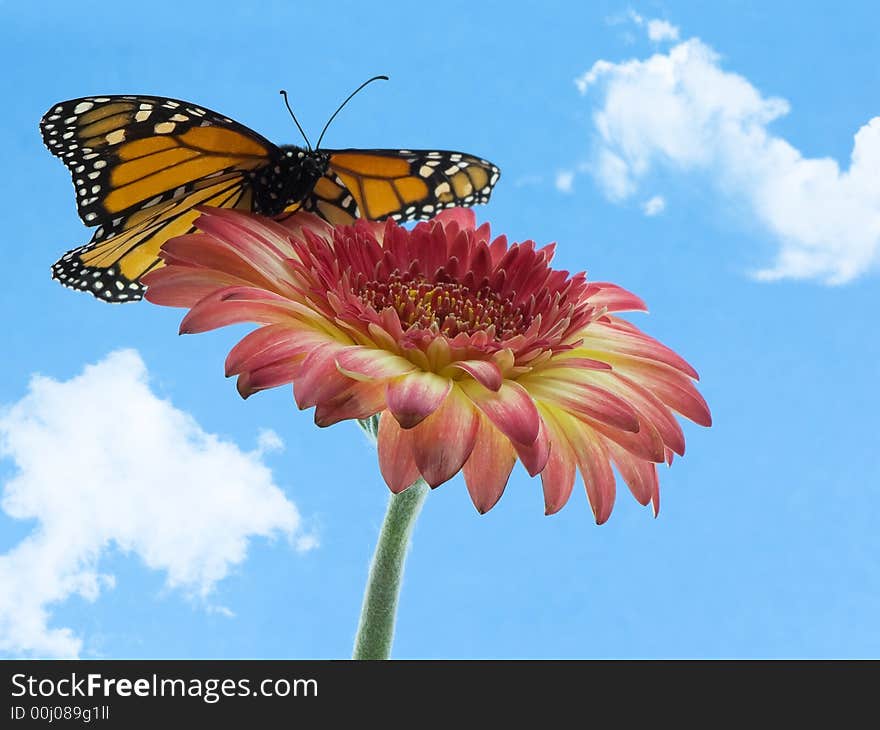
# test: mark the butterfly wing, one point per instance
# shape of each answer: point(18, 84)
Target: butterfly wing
point(139, 165)
point(399, 184)
point(110, 268)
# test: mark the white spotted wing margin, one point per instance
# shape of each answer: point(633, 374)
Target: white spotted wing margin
point(136, 250)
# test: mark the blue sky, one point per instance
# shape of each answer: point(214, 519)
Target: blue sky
point(734, 126)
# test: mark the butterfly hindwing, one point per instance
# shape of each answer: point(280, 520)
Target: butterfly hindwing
point(110, 267)
point(330, 200)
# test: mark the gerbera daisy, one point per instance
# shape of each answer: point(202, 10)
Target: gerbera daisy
point(473, 353)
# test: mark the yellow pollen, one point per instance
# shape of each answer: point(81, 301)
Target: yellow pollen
point(449, 308)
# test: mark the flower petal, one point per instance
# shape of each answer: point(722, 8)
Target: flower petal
point(596, 472)
point(270, 376)
point(395, 447)
point(184, 286)
point(620, 337)
point(413, 397)
point(318, 378)
point(534, 455)
point(270, 343)
point(487, 470)
point(647, 443)
point(364, 363)
point(650, 407)
point(360, 400)
point(557, 477)
point(640, 475)
point(212, 255)
point(261, 242)
point(465, 218)
point(587, 400)
point(614, 298)
point(443, 442)
point(237, 304)
point(485, 372)
point(676, 390)
point(510, 408)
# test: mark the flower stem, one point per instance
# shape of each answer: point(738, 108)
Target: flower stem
point(376, 626)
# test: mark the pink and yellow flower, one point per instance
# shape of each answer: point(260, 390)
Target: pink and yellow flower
point(473, 352)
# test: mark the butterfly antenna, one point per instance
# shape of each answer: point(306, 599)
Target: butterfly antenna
point(348, 99)
point(287, 104)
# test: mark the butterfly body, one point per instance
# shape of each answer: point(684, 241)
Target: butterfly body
point(287, 179)
point(143, 165)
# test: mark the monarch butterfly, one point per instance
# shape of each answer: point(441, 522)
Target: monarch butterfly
point(141, 165)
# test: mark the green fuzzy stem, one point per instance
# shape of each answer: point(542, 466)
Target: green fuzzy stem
point(375, 632)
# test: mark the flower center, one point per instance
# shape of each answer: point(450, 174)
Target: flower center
point(448, 308)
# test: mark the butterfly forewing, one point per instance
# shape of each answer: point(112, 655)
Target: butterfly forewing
point(127, 153)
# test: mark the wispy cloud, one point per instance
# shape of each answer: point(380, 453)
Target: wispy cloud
point(683, 112)
point(654, 206)
point(102, 462)
point(658, 29)
point(565, 181)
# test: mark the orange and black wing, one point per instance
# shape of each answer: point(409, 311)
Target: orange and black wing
point(400, 184)
point(140, 165)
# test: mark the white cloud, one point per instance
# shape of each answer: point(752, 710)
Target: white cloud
point(654, 206)
point(565, 181)
point(681, 111)
point(635, 17)
point(662, 30)
point(103, 463)
point(658, 30)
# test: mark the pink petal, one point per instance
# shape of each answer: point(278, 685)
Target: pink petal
point(650, 407)
point(443, 442)
point(485, 372)
point(465, 218)
point(269, 376)
point(395, 447)
point(301, 220)
point(413, 397)
point(361, 400)
point(487, 470)
point(212, 255)
point(270, 343)
point(260, 241)
point(184, 286)
point(365, 363)
point(614, 298)
point(617, 337)
point(511, 409)
point(639, 475)
point(647, 443)
point(557, 477)
point(596, 472)
point(319, 379)
point(670, 386)
point(534, 456)
point(237, 304)
point(587, 400)
point(585, 363)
